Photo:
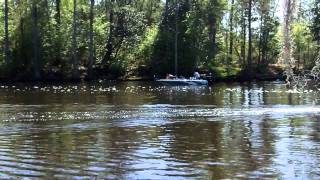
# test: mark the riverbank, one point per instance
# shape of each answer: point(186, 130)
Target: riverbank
point(271, 73)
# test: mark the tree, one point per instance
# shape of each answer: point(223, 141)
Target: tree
point(286, 57)
point(91, 49)
point(126, 26)
point(244, 35)
point(58, 13)
point(176, 32)
point(267, 47)
point(263, 10)
point(249, 58)
point(6, 37)
point(75, 65)
point(58, 31)
point(109, 46)
point(114, 38)
point(213, 19)
point(231, 38)
point(315, 27)
point(35, 41)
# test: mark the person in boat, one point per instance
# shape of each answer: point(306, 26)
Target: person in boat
point(170, 76)
point(196, 75)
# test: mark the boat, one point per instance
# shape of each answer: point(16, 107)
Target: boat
point(183, 82)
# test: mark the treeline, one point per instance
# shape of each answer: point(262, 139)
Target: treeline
point(89, 39)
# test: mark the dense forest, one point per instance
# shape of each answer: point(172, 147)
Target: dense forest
point(91, 39)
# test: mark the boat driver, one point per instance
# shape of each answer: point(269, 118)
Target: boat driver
point(196, 75)
point(170, 76)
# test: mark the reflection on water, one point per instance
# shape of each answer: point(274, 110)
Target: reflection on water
point(146, 131)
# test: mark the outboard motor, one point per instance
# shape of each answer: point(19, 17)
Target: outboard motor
point(210, 78)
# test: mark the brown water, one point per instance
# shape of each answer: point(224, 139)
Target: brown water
point(138, 130)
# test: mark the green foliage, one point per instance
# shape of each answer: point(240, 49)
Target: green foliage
point(194, 44)
point(303, 45)
point(304, 36)
point(142, 35)
point(145, 49)
point(1, 33)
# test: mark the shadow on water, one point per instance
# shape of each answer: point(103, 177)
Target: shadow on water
point(143, 130)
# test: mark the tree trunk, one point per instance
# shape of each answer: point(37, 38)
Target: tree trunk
point(58, 16)
point(264, 46)
point(260, 41)
point(263, 49)
point(244, 36)
point(226, 42)
point(22, 51)
point(91, 49)
point(58, 25)
point(149, 14)
point(50, 41)
point(299, 56)
point(287, 58)
point(166, 12)
point(249, 60)
point(167, 36)
point(212, 35)
point(35, 42)
point(176, 40)
point(107, 57)
point(308, 55)
point(229, 62)
point(75, 65)
point(6, 30)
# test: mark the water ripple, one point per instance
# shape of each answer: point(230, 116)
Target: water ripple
point(155, 112)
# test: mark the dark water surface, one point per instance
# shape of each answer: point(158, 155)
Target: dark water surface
point(139, 130)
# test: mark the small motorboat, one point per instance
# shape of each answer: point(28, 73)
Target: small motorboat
point(183, 82)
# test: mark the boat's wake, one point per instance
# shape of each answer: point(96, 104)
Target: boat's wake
point(151, 112)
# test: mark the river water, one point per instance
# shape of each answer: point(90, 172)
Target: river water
point(141, 130)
